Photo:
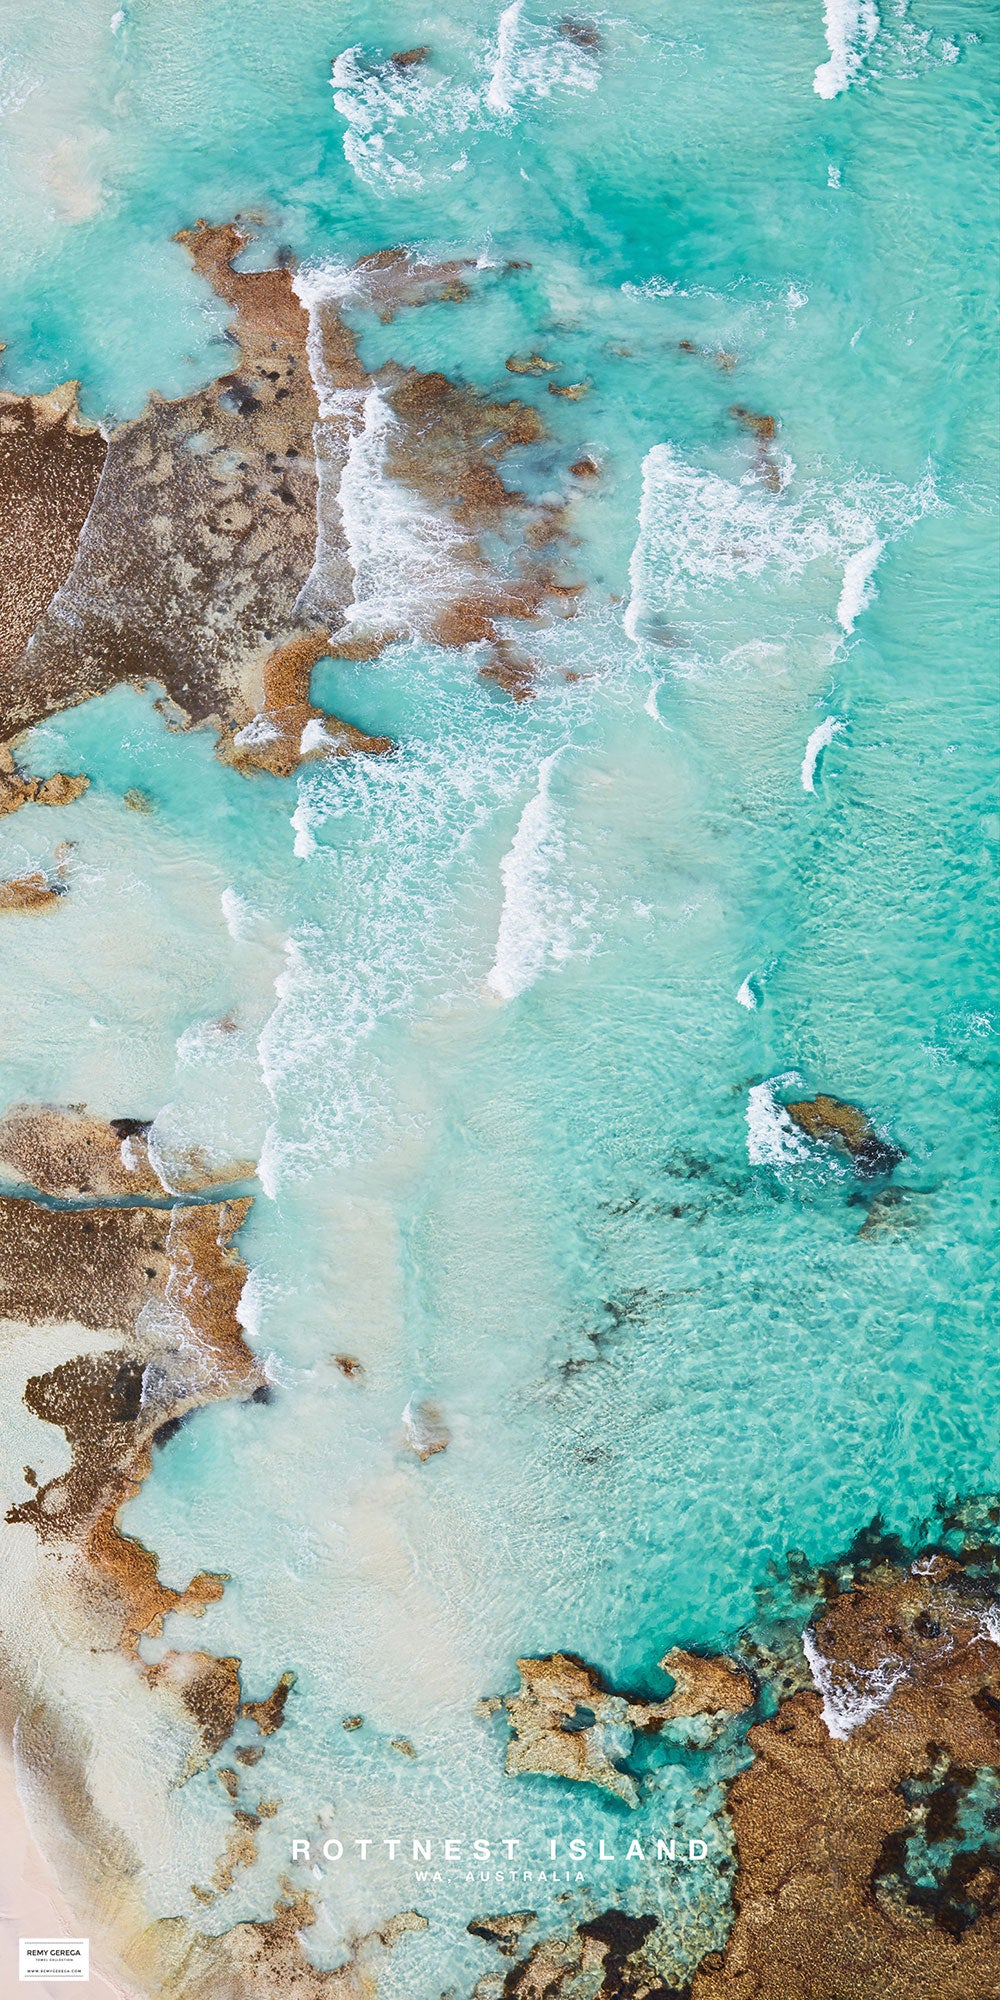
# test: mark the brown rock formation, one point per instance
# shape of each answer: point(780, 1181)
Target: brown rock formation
point(408, 58)
point(16, 790)
point(30, 892)
point(201, 533)
point(208, 1688)
point(275, 739)
point(389, 280)
point(530, 364)
point(99, 1268)
point(855, 1876)
point(424, 1430)
point(842, 1125)
point(567, 1724)
point(504, 1930)
point(63, 1151)
point(269, 1714)
point(257, 1961)
point(50, 465)
point(606, 1958)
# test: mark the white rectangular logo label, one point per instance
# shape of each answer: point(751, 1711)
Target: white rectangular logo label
point(54, 1958)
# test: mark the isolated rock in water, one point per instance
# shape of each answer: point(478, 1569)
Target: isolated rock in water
point(865, 1866)
point(503, 1930)
point(424, 1429)
point(848, 1128)
point(530, 364)
point(65, 1152)
point(567, 1724)
point(409, 58)
point(269, 1714)
point(574, 392)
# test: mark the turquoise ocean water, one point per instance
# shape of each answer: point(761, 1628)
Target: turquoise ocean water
point(515, 1006)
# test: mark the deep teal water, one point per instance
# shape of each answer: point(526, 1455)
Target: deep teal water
point(665, 1353)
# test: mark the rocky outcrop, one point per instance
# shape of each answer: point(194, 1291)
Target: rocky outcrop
point(64, 1151)
point(30, 892)
point(16, 790)
point(835, 1123)
point(567, 1724)
point(269, 1713)
point(257, 1961)
point(425, 1432)
point(865, 1865)
point(608, 1957)
point(99, 1268)
point(199, 536)
point(504, 1930)
point(50, 466)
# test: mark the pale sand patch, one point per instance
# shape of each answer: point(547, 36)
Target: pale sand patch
point(32, 1903)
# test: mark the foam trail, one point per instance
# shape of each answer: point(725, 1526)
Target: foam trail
point(498, 95)
point(850, 27)
point(854, 593)
point(746, 997)
point(525, 934)
point(820, 739)
point(401, 554)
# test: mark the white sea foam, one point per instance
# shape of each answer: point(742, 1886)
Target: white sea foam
point(399, 551)
point(847, 1704)
point(536, 921)
point(531, 61)
point(501, 80)
point(850, 27)
point(733, 554)
point(746, 997)
point(855, 592)
point(260, 729)
point(301, 823)
point(396, 118)
point(819, 741)
point(239, 914)
point(772, 1139)
point(399, 121)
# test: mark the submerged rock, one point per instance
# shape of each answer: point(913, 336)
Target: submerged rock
point(424, 1430)
point(605, 1958)
point(530, 364)
point(843, 1125)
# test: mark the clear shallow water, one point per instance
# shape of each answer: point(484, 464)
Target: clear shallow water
point(489, 1035)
